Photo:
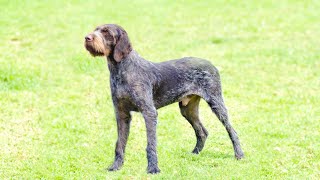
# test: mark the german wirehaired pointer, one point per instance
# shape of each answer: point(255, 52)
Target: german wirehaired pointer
point(144, 86)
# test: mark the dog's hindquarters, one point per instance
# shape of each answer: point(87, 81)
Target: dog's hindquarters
point(206, 84)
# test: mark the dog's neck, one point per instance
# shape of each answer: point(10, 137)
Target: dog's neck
point(132, 64)
point(113, 65)
point(133, 54)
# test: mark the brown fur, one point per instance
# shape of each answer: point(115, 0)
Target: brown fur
point(115, 38)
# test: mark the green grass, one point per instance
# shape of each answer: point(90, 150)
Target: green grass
point(56, 115)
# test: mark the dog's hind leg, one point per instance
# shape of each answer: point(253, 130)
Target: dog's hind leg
point(190, 110)
point(217, 105)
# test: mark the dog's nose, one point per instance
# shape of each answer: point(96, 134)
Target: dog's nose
point(88, 38)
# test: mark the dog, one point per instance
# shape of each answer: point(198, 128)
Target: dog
point(143, 86)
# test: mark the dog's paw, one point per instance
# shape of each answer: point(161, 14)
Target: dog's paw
point(239, 156)
point(115, 166)
point(196, 150)
point(153, 170)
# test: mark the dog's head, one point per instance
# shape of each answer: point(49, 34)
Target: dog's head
point(108, 40)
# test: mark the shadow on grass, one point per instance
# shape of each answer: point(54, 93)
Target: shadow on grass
point(216, 155)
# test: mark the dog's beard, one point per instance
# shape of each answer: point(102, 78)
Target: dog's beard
point(92, 50)
point(96, 47)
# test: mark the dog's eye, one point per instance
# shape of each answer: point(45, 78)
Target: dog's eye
point(104, 30)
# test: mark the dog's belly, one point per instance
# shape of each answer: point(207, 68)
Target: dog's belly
point(184, 99)
point(166, 95)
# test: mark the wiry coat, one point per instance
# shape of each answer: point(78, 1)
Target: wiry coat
point(140, 85)
point(168, 82)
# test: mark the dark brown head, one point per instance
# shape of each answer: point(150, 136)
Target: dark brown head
point(108, 40)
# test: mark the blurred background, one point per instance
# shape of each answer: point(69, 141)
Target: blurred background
point(56, 115)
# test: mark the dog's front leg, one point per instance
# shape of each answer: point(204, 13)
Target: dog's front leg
point(142, 96)
point(150, 117)
point(123, 118)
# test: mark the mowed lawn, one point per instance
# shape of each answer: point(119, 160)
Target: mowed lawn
point(56, 115)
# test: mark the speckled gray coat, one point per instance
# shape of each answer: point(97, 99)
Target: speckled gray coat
point(140, 85)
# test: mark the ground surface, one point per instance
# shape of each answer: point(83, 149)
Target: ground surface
point(56, 116)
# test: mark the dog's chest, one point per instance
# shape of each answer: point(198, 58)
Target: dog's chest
point(122, 93)
point(119, 88)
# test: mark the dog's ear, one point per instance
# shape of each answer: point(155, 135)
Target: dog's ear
point(123, 45)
